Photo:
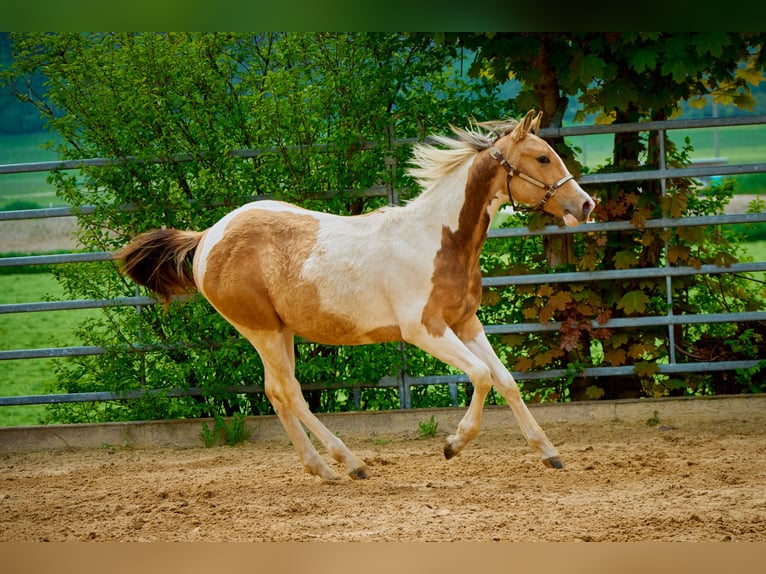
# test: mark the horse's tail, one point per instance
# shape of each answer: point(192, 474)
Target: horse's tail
point(161, 260)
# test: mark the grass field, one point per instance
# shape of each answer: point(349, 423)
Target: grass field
point(32, 331)
point(26, 148)
point(738, 144)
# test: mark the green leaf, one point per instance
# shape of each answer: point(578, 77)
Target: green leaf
point(559, 300)
point(619, 94)
point(678, 253)
point(744, 101)
point(615, 357)
point(633, 302)
point(619, 339)
point(723, 259)
point(584, 69)
point(592, 67)
point(711, 43)
point(676, 68)
point(536, 221)
point(593, 393)
point(643, 59)
point(676, 204)
point(691, 234)
point(750, 75)
point(625, 259)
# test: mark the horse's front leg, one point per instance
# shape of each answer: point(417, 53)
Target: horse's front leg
point(452, 350)
point(506, 385)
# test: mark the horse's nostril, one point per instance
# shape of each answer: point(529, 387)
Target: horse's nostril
point(587, 207)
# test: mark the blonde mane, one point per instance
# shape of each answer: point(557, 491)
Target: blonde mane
point(430, 163)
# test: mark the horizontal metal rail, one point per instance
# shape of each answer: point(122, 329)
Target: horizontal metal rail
point(692, 221)
point(88, 257)
point(76, 304)
point(387, 382)
point(671, 173)
point(667, 125)
point(621, 274)
point(696, 221)
point(632, 322)
point(552, 326)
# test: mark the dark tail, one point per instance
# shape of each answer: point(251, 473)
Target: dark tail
point(161, 260)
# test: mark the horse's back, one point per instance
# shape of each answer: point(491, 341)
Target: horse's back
point(269, 264)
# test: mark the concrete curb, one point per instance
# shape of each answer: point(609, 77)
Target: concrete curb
point(186, 433)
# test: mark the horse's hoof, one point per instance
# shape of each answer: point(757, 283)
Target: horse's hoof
point(553, 462)
point(448, 451)
point(360, 473)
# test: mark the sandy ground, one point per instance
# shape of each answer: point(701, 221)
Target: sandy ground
point(692, 481)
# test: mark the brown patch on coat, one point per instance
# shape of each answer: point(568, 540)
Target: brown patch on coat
point(456, 280)
point(249, 259)
point(469, 330)
point(384, 334)
point(253, 278)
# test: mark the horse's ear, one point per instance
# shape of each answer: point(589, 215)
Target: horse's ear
point(522, 128)
point(536, 123)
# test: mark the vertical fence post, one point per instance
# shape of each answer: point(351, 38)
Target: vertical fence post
point(668, 278)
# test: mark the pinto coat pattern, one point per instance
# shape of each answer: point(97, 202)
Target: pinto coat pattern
point(408, 273)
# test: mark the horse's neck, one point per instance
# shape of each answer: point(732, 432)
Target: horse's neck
point(464, 205)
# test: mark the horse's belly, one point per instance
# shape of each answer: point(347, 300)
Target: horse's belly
point(357, 322)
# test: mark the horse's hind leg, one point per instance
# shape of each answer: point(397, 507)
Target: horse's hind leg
point(283, 389)
point(308, 455)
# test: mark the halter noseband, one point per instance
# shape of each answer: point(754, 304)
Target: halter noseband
point(550, 190)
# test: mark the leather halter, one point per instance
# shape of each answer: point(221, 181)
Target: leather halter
point(550, 190)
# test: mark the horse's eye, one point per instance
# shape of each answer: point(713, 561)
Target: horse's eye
point(543, 159)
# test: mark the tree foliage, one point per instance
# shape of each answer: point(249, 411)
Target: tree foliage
point(323, 108)
point(632, 77)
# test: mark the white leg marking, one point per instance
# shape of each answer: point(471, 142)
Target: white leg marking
point(450, 349)
point(282, 388)
point(506, 385)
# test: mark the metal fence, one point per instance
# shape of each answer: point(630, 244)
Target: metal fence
point(404, 382)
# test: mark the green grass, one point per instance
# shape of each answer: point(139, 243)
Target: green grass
point(757, 250)
point(32, 331)
point(737, 144)
point(26, 148)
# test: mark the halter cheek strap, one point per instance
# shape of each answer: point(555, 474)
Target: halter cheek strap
point(550, 190)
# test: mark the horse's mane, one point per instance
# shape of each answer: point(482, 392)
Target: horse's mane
point(431, 163)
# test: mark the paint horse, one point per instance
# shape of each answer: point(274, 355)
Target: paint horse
point(405, 273)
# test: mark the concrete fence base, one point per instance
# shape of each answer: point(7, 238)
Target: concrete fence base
point(186, 433)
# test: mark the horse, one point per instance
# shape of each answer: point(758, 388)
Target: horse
point(400, 273)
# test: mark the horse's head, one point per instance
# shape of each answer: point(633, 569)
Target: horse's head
point(535, 175)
